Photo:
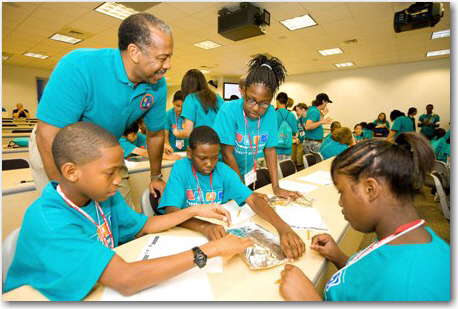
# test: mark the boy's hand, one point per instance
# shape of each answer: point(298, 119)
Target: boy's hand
point(213, 231)
point(231, 244)
point(291, 244)
point(325, 245)
point(168, 149)
point(157, 184)
point(261, 195)
point(295, 286)
point(286, 193)
point(215, 211)
point(326, 120)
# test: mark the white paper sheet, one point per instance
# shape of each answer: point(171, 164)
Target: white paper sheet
point(245, 212)
point(318, 177)
point(181, 153)
point(302, 218)
point(296, 186)
point(130, 164)
point(192, 285)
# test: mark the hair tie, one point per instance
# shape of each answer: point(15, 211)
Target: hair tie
point(266, 65)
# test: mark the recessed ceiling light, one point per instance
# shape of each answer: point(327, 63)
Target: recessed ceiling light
point(440, 34)
point(344, 64)
point(204, 71)
point(438, 53)
point(207, 44)
point(115, 9)
point(298, 22)
point(65, 38)
point(34, 55)
point(332, 51)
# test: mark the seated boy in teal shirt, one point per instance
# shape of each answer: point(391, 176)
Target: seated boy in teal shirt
point(201, 179)
point(66, 241)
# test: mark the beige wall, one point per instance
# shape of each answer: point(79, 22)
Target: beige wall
point(361, 94)
point(19, 86)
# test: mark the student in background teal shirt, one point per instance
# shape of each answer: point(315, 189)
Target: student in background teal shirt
point(174, 120)
point(358, 133)
point(401, 123)
point(247, 127)
point(201, 179)
point(410, 262)
point(428, 122)
point(338, 141)
point(285, 115)
point(200, 105)
point(314, 123)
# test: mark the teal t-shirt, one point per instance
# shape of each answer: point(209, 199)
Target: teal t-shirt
point(442, 148)
point(414, 272)
point(127, 146)
point(289, 117)
point(58, 251)
point(330, 147)
point(378, 122)
point(367, 134)
point(182, 191)
point(232, 130)
point(91, 85)
point(141, 140)
point(313, 113)
point(402, 124)
point(301, 129)
point(358, 137)
point(193, 110)
point(429, 130)
point(173, 121)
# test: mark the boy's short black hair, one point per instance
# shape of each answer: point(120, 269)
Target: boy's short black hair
point(203, 135)
point(133, 128)
point(80, 143)
point(178, 96)
point(282, 97)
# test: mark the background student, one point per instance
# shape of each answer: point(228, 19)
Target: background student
point(428, 122)
point(401, 124)
point(287, 128)
point(20, 112)
point(314, 123)
point(247, 127)
point(298, 150)
point(338, 141)
point(382, 125)
point(174, 120)
point(411, 114)
point(200, 104)
point(201, 179)
point(376, 181)
point(66, 241)
point(358, 133)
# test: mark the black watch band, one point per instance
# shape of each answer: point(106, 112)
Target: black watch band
point(200, 258)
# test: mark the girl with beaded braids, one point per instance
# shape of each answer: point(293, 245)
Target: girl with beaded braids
point(247, 127)
point(376, 181)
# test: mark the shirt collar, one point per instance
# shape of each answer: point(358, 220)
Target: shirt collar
point(120, 70)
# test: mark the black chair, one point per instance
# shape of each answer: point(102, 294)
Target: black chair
point(262, 178)
point(381, 132)
point(14, 164)
point(150, 203)
point(10, 125)
point(317, 155)
point(287, 167)
point(22, 130)
point(309, 160)
point(444, 197)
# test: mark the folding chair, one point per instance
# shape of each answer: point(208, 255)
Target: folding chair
point(26, 130)
point(262, 177)
point(317, 155)
point(150, 203)
point(287, 167)
point(444, 199)
point(8, 250)
point(309, 160)
point(14, 164)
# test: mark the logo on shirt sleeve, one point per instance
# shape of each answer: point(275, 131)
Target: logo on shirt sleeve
point(147, 101)
point(190, 195)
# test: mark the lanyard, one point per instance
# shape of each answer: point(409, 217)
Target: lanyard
point(257, 140)
point(100, 231)
point(403, 229)
point(176, 121)
point(201, 196)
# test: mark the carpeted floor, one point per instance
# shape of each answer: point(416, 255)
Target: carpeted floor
point(428, 210)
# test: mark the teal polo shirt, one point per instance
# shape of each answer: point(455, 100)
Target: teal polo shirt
point(173, 121)
point(331, 148)
point(284, 114)
point(92, 85)
point(429, 130)
point(193, 110)
point(402, 124)
point(313, 113)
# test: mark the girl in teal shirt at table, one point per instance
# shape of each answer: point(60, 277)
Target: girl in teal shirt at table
point(358, 133)
point(248, 127)
point(401, 123)
point(200, 104)
point(174, 120)
point(376, 180)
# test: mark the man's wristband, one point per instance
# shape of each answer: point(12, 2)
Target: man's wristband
point(154, 177)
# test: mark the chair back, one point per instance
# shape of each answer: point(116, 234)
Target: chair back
point(150, 203)
point(8, 250)
point(262, 177)
point(287, 167)
point(444, 199)
point(25, 130)
point(309, 159)
point(14, 164)
point(441, 168)
point(317, 155)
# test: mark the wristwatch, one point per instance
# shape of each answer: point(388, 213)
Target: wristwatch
point(153, 177)
point(200, 258)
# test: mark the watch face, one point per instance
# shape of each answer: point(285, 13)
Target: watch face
point(200, 259)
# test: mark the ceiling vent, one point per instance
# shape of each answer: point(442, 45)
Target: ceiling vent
point(351, 41)
point(140, 6)
point(76, 33)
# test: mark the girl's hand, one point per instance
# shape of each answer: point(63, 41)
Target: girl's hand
point(295, 286)
point(286, 193)
point(325, 245)
point(214, 211)
point(230, 245)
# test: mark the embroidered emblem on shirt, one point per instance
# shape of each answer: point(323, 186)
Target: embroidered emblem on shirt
point(147, 101)
point(335, 280)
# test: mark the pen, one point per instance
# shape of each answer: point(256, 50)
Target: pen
point(25, 181)
point(278, 281)
point(238, 214)
point(308, 234)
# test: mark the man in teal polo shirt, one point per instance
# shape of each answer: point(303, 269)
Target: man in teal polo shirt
point(428, 122)
point(112, 88)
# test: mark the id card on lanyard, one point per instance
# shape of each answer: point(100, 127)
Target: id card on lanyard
point(103, 231)
point(250, 176)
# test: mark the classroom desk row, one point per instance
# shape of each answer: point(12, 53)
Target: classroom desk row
point(257, 285)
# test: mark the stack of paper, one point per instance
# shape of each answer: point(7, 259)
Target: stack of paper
point(319, 178)
point(130, 164)
point(302, 218)
point(296, 186)
point(238, 214)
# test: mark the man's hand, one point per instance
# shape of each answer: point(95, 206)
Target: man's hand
point(214, 231)
point(295, 286)
point(286, 193)
point(291, 244)
point(325, 245)
point(157, 184)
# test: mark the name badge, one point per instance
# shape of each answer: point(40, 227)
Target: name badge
point(250, 177)
point(301, 133)
point(179, 143)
